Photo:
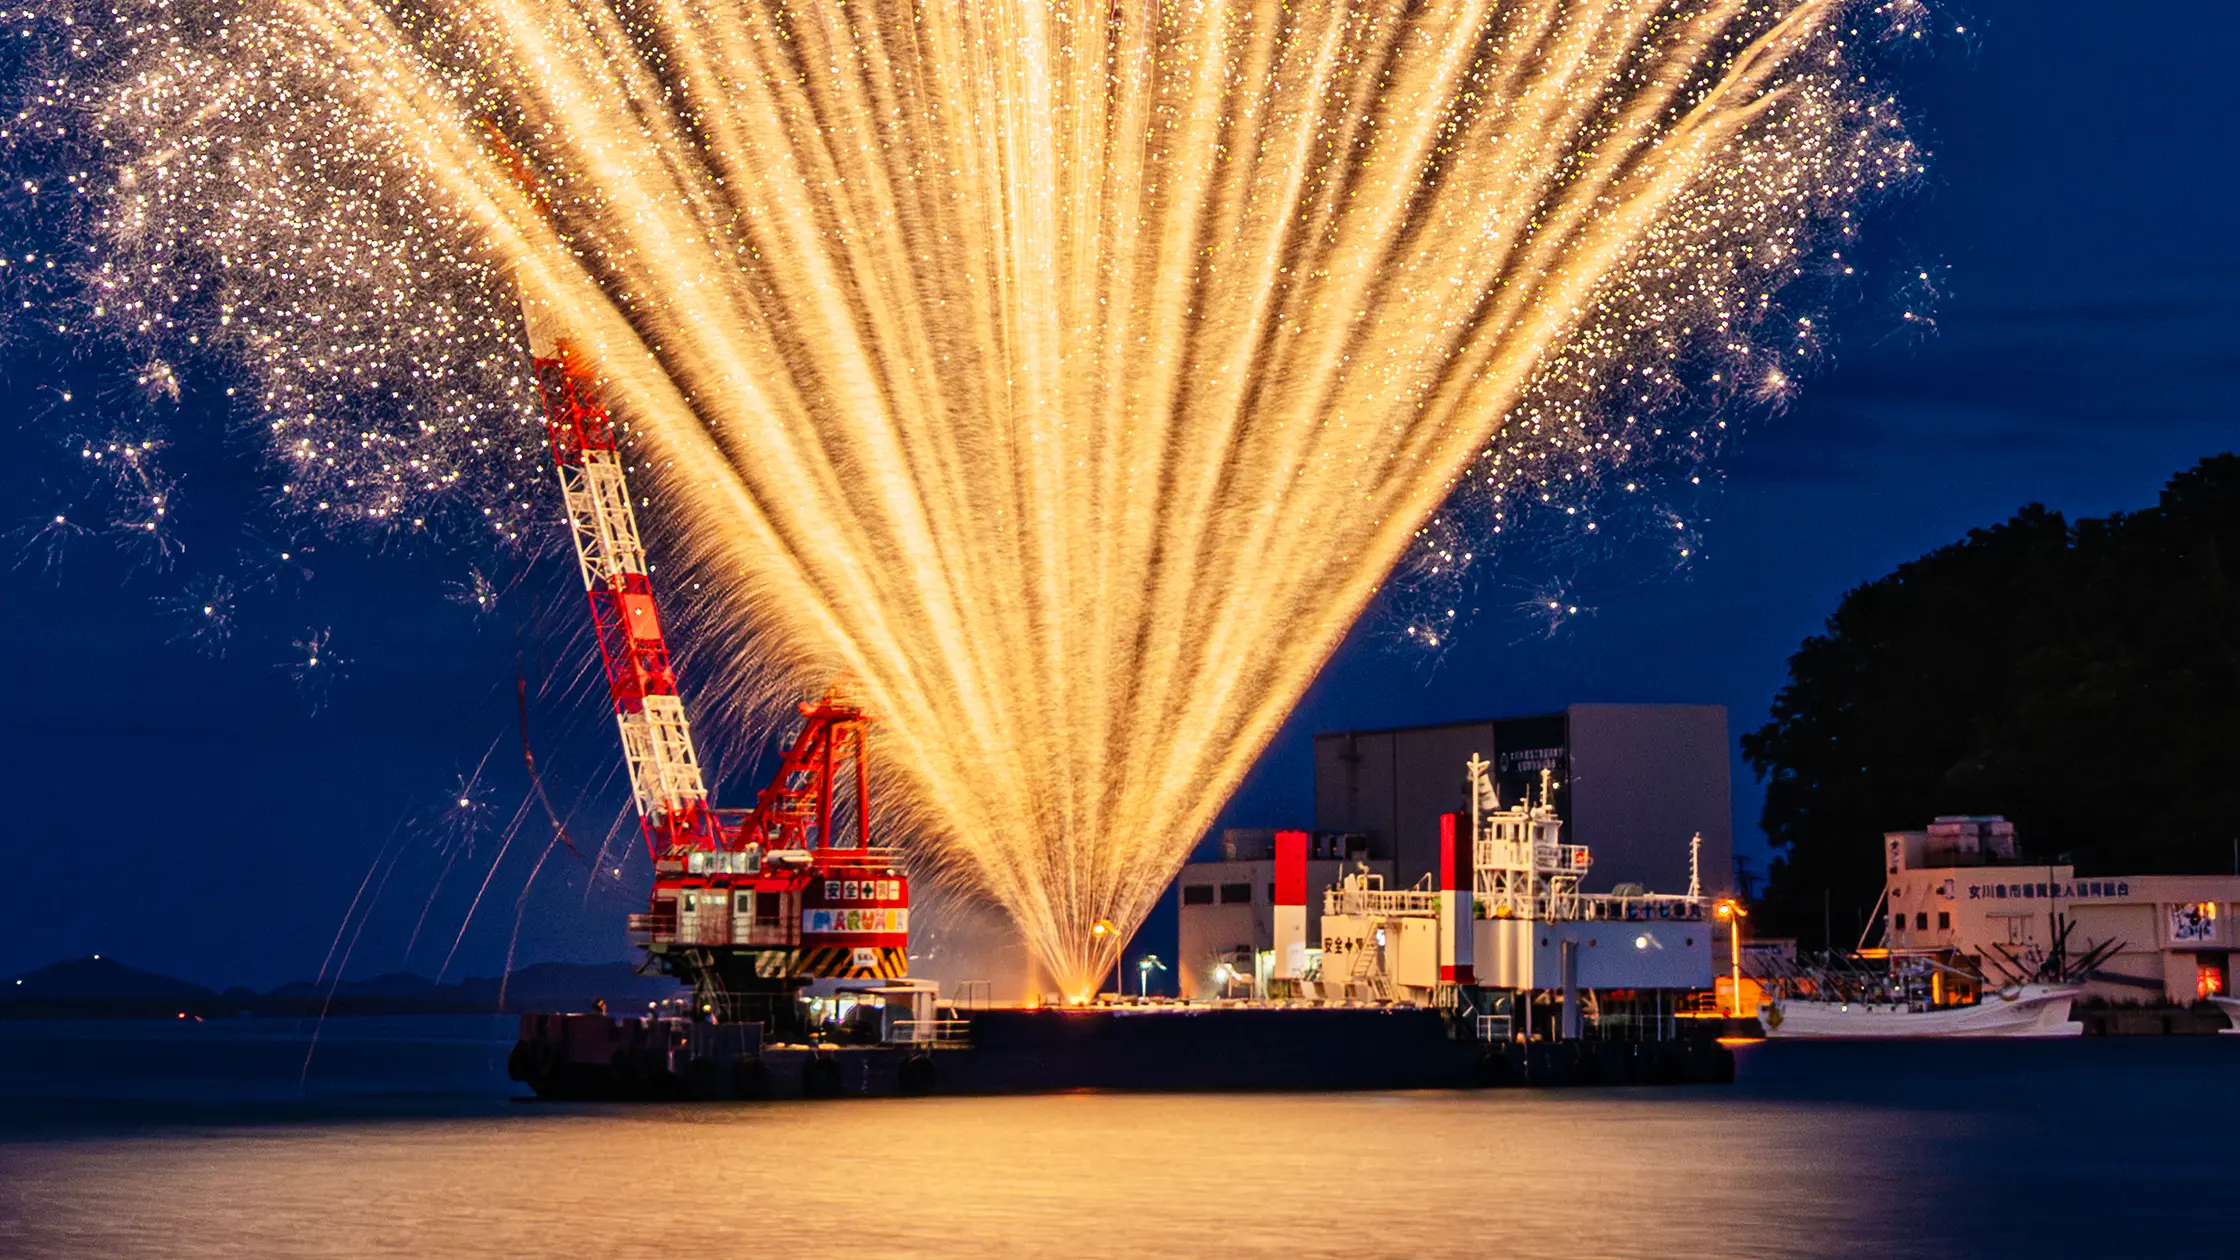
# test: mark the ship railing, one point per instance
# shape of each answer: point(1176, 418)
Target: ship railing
point(933, 1034)
point(1493, 1029)
point(1368, 901)
point(1538, 856)
point(1643, 908)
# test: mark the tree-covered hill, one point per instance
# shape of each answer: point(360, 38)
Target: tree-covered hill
point(2083, 680)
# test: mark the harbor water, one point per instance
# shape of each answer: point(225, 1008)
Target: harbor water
point(402, 1137)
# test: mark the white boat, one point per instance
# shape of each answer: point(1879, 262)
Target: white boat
point(2231, 1008)
point(2028, 1010)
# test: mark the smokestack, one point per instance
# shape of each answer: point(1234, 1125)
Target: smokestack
point(1457, 893)
point(1291, 906)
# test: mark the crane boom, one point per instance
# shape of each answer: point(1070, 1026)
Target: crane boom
point(665, 777)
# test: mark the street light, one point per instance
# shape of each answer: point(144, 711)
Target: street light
point(1099, 930)
point(1144, 967)
point(1731, 912)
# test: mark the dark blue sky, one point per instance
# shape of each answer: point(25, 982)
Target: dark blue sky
point(192, 815)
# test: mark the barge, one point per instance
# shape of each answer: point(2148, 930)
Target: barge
point(593, 1057)
point(1505, 974)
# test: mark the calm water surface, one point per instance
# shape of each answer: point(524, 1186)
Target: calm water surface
point(403, 1139)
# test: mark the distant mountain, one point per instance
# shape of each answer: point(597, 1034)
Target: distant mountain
point(393, 984)
point(99, 978)
point(554, 985)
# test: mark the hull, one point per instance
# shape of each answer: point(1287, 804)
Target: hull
point(2231, 1009)
point(579, 1057)
point(2036, 1011)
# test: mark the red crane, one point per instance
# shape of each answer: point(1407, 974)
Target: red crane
point(747, 905)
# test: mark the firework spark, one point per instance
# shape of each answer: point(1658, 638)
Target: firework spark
point(1068, 374)
point(467, 816)
point(202, 615)
point(46, 539)
point(474, 592)
point(315, 667)
point(1551, 607)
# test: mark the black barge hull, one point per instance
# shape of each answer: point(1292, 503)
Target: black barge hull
point(596, 1057)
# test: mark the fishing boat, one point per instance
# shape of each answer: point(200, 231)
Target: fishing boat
point(2025, 1010)
point(1914, 993)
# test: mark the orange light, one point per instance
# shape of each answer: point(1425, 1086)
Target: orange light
point(1732, 911)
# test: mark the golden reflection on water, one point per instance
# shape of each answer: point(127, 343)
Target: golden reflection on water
point(1621, 1174)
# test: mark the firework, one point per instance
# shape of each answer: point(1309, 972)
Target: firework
point(202, 615)
point(474, 592)
point(315, 667)
point(1066, 375)
point(46, 539)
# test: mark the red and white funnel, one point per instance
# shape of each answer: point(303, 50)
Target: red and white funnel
point(1290, 906)
point(1457, 893)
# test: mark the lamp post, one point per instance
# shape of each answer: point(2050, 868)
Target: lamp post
point(1144, 967)
point(1732, 914)
point(1097, 932)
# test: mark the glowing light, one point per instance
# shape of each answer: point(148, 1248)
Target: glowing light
point(1069, 375)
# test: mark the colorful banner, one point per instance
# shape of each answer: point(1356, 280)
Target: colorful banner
point(2193, 924)
point(831, 922)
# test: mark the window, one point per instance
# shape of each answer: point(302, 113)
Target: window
point(1897, 922)
point(1197, 894)
point(1921, 921)
point(1944, 920)
point(766, 907)
point(1236, 894)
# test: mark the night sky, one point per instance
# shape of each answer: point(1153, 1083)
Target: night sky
point(194, 815)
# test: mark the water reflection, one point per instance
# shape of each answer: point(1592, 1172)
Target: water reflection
point(1819, 1151)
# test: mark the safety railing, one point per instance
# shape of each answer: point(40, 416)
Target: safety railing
point(933, 1033)
point(1379, 902)
point(1644, 908)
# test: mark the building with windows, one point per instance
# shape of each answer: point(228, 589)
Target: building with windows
point(1634, 781)
point(1961, 885)
point(1227, 920)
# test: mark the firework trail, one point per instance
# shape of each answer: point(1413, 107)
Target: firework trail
point(1067, 375)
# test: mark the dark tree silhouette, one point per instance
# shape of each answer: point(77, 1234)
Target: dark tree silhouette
point(2084, 681)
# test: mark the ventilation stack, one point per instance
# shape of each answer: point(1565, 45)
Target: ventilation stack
point(1457, 898)
point(1290, 963)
